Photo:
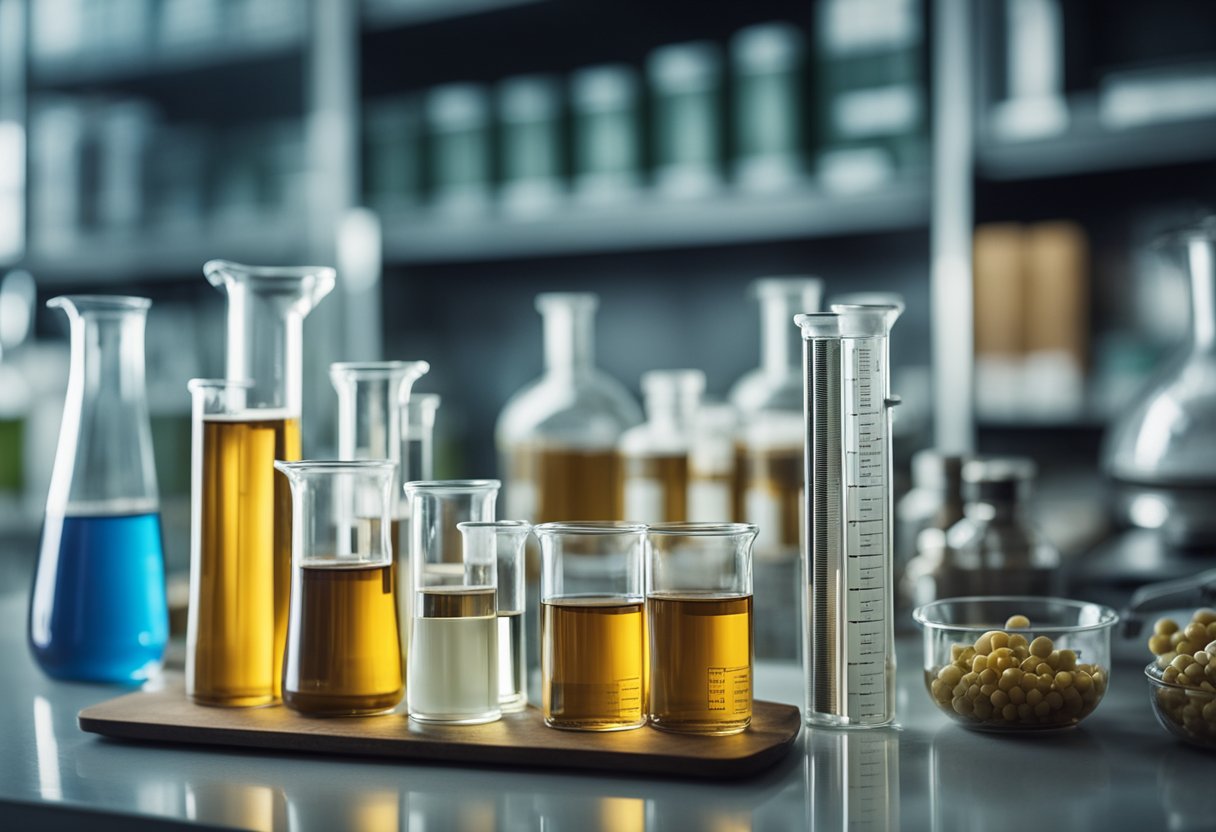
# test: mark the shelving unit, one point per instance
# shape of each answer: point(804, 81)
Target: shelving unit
point(390, 14)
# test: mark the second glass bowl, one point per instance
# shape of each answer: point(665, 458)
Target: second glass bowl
point(989, 674)
point(1189, 713)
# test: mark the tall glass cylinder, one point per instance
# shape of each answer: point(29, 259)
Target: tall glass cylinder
point(266, 310)
point(593, 625)
point(699, 607)
point(373, 398)
point(453, 655)
point(98, 611)
point(342, 655)
point(230, 653)
point(418, 458)
point(504, 540)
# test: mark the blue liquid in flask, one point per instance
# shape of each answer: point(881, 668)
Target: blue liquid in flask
point(99, 611)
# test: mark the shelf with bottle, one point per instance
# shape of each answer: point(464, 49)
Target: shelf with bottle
point(390, 14)
point(651, 222)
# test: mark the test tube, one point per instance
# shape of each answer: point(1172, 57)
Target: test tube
point(343, 657)
point(593, 627)
point(699, 607)
point(453, 655)
point(504, 540)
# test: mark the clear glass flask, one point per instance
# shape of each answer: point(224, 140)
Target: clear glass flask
point(699, 609)
point(342, 657)
point(557, 437)
point(454, 629)
point(769, 457)
point(98, 611)
point(713, 482)
point(593, 625)
point(453, 653)
point(266, 310)
point(230, 653)
point(654, 455)
point(505, 540)
point(373, 406)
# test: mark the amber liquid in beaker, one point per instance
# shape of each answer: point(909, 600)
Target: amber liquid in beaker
point(592, 662)
point(568, 483)
point(654, 489)
point(344, 659)
point(701, 677)
point(236, 662)
point(286, 449)
point(454, 655)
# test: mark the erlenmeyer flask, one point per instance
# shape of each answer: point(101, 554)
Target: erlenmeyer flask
point(98, 611)
point(266, 310)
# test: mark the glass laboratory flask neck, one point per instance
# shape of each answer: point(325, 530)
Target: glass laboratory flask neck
point(672, 399)
point(266, 311)
point(569, 326)
point(104, 462)
point(1201, 264)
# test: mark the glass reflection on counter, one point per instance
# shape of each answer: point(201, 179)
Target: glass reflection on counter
point(583, 813)
point(852, 780)
point(239, 805)
point(47, 748)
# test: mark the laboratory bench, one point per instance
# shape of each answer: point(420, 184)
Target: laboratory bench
point(1119, 770)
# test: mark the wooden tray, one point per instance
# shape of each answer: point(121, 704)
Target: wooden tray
point(165, 715)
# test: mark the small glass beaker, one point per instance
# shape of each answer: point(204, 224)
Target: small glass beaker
point(504, 540)
point(230, 654)
point(373, 398)
point(699, 607)
point(343, 657)
point(98, 611)
point(593, 625)
point(453, 653)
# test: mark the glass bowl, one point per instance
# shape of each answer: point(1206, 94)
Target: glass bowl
point(1189, 713)
point(989, 676)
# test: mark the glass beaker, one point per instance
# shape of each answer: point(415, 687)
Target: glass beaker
point(504, 540)
point(230, 654)
point(98, 610)
point(699, 608)
point(593, 625)
point(770, 457)
point(453, 653)
point(654, 455)
point(343, 657)
point(373, 396)
point(557, 437)
point(266, 310)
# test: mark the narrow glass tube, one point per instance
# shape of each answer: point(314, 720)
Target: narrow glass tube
point(699, 609)
point(593, 625)
point(504, 540)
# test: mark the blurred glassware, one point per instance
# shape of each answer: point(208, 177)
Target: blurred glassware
point(392, 144)
point(769, 456)
point(1161, 453)
point(17, 297)
point(713, 481)
point(529, 115)
point(179, 179)
point(1031, 97)
point(557, 437)
point(98, 610)
point(57, 150)
point(996, 549)
point(458, 133)
point(923, 516)
point(768, 62)
point(686, 94)
point(418, 462)
point(606, 128)
point(654, 454)
point(126, 129)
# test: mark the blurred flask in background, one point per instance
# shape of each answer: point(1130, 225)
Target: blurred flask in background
point(654, 455)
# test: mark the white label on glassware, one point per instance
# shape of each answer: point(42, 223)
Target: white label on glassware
point(709, 502)
point(643, 500)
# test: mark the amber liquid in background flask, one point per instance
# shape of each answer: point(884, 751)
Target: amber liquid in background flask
point(655, 454)
point(343, 656)
point(769, 457)
point(266, 310)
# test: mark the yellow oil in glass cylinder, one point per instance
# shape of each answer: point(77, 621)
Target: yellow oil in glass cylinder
point(235, 657)
point(287, 449)
point(592, 662)
point(701, 645)
point(345, 659)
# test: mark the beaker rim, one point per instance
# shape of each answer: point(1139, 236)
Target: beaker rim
point(590, 527)
point(101, 303)
point(928, 616)
point(219, 384)
point(702, 529)
point(447, 486)
point(335, 466)
point(231, 267)
point(494, 524)
point(378, 370)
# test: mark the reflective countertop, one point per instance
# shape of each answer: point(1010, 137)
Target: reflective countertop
point(1119, 770)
